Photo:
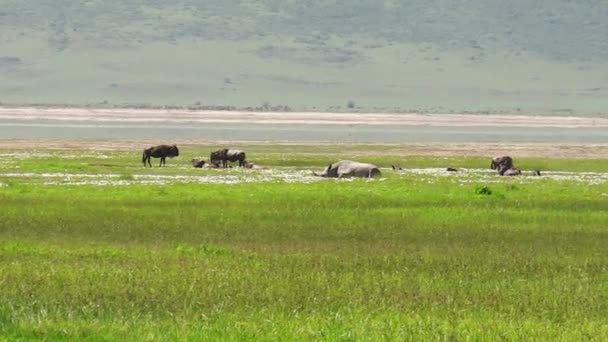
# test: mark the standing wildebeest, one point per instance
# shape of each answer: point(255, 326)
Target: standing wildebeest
point(160, 151)
point(348, 168)
point(502, 164)
point(226, 155)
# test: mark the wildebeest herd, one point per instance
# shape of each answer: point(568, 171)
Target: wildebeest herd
point(344, 168)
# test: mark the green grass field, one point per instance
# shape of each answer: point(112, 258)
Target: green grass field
point(405, 257)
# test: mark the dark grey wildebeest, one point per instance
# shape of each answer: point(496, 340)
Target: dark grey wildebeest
point(226, 155)
point(160, 151)
point(349, 168)
point(201, 164)
point(502, 164)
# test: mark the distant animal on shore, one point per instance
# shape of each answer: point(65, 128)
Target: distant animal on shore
point(397, 168)
point(253, 166)
point(451, 169)
point(201, 164)
point(160, 151)
point(501, 164)
point(226, 155)
point(349, 168)
point(198, 163)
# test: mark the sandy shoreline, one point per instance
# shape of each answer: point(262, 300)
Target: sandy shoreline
point(559, 149)
point(185, 116)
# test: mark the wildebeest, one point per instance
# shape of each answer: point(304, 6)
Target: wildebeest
point(226, 155)
point(349, 168)
point(253, 166)
point(201, 164)
point(451, 169)
point(198, 163)
point(397, 168)
point(160, 151)
point(502, 164)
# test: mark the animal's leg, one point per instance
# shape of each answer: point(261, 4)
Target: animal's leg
point(162, 161)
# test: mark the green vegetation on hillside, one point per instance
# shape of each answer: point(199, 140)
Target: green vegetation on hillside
point(315, 55)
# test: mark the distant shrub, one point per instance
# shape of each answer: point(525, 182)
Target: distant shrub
point(483, 190)
point(350, 104)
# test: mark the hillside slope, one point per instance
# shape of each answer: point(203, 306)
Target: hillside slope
point(439, 55)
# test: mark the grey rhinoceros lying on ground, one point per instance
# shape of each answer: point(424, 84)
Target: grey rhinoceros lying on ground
point(349, 168)
point(512, 172)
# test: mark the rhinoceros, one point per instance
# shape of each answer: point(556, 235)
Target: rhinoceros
point(512, 172)
point(349, 168)
point(501, 164)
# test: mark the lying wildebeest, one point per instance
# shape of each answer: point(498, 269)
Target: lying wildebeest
point(226, 155)
point(502, 164)
point(349, 168)
point(451, 169)
point(160, 151)
point(198, 163)
point(201, 164)
point(253, 166)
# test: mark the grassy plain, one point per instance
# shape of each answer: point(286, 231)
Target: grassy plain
point(409, 257)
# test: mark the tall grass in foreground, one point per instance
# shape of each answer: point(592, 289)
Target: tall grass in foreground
point(396, 259)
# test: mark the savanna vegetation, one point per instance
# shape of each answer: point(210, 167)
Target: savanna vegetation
point(406, 257)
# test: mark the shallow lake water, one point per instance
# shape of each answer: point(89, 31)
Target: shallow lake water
point(41, 129)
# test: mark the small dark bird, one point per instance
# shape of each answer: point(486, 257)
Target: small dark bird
point(451, 169)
